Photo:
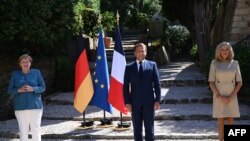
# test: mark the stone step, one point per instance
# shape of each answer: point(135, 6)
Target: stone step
point(129, 42)
point(60, 106)
point(127, 53)
point(178, 74)
point(173, 95)
point(196, 111)
point(129, 32)
point(130, 38)
point(128, 46)
point(164, 130)
point(129, 58)
point(182, 74)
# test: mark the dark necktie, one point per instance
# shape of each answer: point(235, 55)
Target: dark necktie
point(140, 70)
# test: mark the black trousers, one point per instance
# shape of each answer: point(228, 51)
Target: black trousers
point(143, 115)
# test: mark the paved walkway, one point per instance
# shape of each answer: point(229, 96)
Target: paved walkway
point(185, 112)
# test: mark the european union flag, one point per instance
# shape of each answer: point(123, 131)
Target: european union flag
point(101, 77)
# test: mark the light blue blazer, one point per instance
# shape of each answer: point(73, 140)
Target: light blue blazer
point(27, 100)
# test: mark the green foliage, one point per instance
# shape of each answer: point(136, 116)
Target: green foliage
point(194, 52)
point(177, 38)
point(215, 9)
point(77, 25)
point(86, 17)
point(108, 21)
point(34, 24)
point(151, 7)
point(137, 20)
point(132, 12)
point(93, 4)
point(90, 21)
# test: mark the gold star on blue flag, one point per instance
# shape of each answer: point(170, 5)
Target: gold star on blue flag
point(101, 77)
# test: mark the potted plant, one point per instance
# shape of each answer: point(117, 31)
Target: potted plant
point(108, 21)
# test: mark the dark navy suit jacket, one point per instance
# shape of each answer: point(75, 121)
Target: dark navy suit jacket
point(143, 92)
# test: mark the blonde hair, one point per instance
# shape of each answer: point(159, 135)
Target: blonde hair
point(140, 45)
point(25, 56)
point(218, 56)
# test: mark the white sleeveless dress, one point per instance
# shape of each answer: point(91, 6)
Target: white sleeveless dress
point(225, 75)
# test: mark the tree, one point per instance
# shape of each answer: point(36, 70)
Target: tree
point(32, 25)
point(222, 27)
point(197, 16)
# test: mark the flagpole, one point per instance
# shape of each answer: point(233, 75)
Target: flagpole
point(121, 117)
point(84, 119)
point(105, 121)
point(117, 20)
point(86, 124)
point(82, 93)
point(104, 115)
point(121, 125)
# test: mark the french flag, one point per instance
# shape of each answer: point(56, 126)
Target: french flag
point(117, 75)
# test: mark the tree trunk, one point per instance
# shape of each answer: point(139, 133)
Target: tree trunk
point(223, 24)
point(202, 16)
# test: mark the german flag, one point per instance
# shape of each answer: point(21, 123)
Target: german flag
point(83, 83)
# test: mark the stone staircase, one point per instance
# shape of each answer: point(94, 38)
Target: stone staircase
point(129, 38)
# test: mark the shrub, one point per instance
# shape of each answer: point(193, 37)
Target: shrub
point(177, 39)
point(194, 52)
point(137, 20)
point(90, 21)
point(108, 21)
point(37, 26)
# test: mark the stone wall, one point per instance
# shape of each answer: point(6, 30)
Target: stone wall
point(241, 21)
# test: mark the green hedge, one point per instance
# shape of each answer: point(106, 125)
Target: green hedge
point(33, 25)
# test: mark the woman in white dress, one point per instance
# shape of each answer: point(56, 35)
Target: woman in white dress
point(225, 81)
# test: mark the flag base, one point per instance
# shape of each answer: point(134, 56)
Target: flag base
point(106, 121)
point(87, 123)
point(123, 126)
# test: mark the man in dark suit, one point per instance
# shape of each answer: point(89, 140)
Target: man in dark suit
point(142, 93)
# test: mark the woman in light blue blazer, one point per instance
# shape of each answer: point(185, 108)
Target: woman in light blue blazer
point(26, 86)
